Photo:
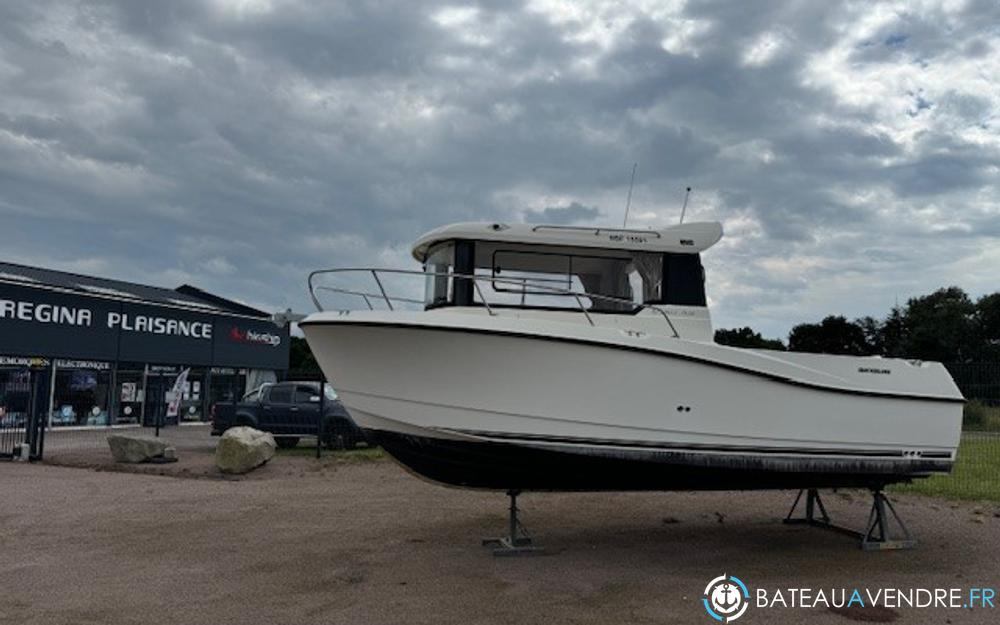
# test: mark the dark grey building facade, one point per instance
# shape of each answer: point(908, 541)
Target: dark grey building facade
point(85, 351)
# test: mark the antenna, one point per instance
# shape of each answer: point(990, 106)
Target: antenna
point(628, 201)
point(684, 208)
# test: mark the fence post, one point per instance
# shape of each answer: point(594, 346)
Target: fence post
point(322, 410)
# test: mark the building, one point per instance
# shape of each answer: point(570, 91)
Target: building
point(84, 351)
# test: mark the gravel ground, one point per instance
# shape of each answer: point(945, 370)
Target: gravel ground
point(350, 541)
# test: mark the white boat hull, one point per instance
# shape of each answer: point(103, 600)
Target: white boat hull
point(485, 404)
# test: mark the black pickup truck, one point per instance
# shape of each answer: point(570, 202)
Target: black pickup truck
point(289, 411)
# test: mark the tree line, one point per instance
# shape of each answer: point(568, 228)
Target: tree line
point(946, 326)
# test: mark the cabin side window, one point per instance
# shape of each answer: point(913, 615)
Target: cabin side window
point(532, 276)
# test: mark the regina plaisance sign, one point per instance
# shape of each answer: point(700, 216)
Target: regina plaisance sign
point(44, 323)
point(42, 313)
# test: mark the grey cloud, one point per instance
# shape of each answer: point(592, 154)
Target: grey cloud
point(242, 150)
point(570, 213)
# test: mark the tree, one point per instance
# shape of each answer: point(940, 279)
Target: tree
point(893, 334)
point(942, 326)
point(873, 331)
point(988, 317)
point(300, 357)
point(833, 335)
point(746, 337)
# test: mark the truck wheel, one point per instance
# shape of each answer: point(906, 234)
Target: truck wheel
point(287, 442)
point(334, 440)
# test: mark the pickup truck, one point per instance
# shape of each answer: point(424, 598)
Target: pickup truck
point(289, 411)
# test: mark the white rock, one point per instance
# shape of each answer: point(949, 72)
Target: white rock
point(242, 449)
point(136, 448)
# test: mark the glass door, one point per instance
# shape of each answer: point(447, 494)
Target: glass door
point(158, 386)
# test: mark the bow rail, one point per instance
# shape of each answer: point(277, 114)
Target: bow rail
point(475, 279)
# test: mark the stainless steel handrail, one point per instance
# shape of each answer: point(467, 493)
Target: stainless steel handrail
point(366, 295)
point(374, 271)
point(598, 231)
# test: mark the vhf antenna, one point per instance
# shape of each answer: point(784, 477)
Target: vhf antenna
point(684, 208)
point(628, 201)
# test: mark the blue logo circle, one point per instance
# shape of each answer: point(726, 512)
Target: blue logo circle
point(726, 598)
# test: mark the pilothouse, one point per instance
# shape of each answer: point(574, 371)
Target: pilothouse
point(565, 269)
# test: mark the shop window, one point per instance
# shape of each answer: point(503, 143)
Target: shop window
point(227, 385)
point(81, 396)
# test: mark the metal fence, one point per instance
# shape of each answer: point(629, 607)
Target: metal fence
point(21, 424)
point(293, 425)
point(977, 472)
point(88, 446)
point(975, 476)
point(978, 381)
point(20, 437)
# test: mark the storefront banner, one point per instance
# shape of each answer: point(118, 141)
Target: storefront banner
point(42, 322)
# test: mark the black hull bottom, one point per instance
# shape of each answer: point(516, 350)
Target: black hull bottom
point(512, 466)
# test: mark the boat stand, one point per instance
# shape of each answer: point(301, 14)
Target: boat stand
point(516, 543)
point(877, 534)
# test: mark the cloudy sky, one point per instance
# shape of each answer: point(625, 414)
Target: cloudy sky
point(852, 151)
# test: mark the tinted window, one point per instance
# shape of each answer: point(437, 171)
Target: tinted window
point(280, 394)
point(685, 280)
point(303, 393)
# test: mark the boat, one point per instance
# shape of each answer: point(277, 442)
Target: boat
point(560, 358)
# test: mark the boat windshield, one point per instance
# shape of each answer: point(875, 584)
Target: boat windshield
point(532, 276)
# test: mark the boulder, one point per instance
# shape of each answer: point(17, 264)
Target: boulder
point(136, 448)
point(242, 449)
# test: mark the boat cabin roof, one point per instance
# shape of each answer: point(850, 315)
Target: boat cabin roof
point(689, 238)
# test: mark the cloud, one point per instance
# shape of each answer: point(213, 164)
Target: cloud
point(850, 149)
point(570, 213)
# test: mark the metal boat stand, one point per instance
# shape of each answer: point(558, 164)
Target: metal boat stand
point(517, 542)
point(877, 534)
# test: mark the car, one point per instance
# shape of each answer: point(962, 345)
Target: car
point(289, 411)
